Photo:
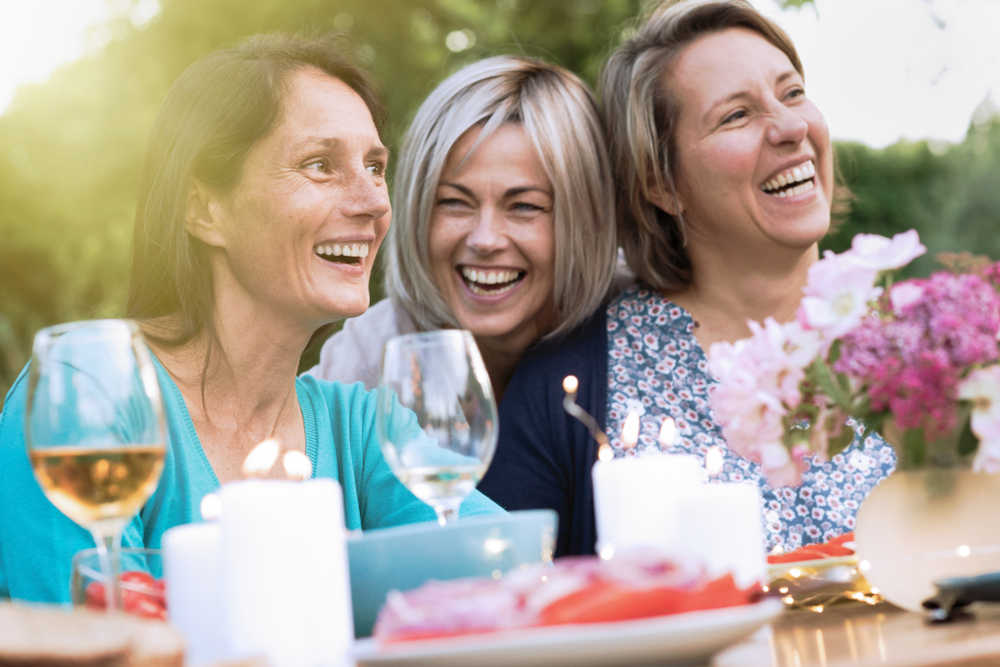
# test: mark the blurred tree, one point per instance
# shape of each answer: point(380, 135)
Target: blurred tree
point(71, 148)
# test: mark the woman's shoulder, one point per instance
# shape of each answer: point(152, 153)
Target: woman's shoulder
point(582, 343)
point(640, 308)
point(354, 353)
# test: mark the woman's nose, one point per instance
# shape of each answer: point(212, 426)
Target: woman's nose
point(488, 234)
point(367, 197)
point(787, 126)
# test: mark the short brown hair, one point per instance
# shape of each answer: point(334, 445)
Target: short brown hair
point(640, 120)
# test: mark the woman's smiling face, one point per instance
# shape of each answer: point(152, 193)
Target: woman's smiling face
point(492, 237)
point(301, 228)
point(754, 164)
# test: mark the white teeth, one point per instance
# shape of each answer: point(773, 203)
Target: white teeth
point(337, 250)
point(800, 173)
point(506, 278)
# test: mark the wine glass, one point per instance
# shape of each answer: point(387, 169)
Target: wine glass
point(436, 416)
point(94, 429)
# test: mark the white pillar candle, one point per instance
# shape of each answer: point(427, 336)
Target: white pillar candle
point(634, 499)
point(285, 575)
point(664, 502)
point(720, 524)
point(192, 569)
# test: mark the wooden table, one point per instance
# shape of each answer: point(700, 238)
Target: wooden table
point(857, 635)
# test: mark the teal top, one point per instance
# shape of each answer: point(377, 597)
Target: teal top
point(37, 541)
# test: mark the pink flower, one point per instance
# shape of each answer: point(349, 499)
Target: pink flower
point(881, 254)
point(837, 296)
point(903, 295)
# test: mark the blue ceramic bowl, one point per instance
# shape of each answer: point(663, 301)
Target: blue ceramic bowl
point(404, 557)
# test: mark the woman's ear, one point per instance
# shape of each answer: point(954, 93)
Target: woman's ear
point(664, 199)
point(202, 215)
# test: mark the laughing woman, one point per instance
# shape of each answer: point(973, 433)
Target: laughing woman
point(262, 156)
point(503, 220)
point(725, 184)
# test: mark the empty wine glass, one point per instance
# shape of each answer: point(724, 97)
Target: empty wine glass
point(436, 416)
point(94, 428)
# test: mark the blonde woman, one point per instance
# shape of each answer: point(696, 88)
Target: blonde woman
point(503, 220)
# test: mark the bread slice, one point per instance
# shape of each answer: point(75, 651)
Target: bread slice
point(50, 636)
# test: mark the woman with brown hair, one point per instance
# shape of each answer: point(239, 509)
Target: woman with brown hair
point(263, 157)
point(725, 183)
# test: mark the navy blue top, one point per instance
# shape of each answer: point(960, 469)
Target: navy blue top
point(544, 456)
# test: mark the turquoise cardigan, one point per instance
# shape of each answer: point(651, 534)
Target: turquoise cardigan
point(37, 541)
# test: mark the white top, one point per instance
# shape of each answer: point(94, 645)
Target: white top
point(354, 353)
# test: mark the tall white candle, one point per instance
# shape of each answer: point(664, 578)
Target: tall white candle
point(285, 581)
point(192, 568)
point(663, 502)
point(720, 524)
point(634, 499)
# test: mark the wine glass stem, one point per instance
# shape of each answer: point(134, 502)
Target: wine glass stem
point(445, 514)
point(108, 551)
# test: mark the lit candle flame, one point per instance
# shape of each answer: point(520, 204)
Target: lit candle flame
point(297, 465)
point(630, 431)
point(570, 386)
point(668, 433)
point(211, 507)
point(713, 461)
point(260, 461)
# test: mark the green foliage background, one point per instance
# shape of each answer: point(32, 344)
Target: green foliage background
point(71, 148)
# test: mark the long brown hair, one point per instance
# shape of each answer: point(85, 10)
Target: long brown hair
point(213, 115)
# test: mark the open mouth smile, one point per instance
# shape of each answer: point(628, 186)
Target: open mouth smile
point(347, 253)
point(792, 182)
point(490, 283)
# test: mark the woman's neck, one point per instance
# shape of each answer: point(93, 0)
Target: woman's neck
point(501, 356)
point(239, 388)
point(724, 295)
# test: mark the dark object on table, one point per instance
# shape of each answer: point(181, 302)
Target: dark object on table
point(956, 593)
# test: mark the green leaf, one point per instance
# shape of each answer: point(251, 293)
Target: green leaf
point(967, 440)
point(915, 447)
point(841, 442)
point(829, 386)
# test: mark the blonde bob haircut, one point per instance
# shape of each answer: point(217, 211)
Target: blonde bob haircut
point(560, 116)
point(640, 119)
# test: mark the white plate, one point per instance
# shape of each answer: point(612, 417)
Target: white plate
point(680, 638)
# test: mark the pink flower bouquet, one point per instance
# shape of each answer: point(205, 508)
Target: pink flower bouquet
point(915, 359)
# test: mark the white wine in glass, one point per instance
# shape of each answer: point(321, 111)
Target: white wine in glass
point(436, 416)
point(95, 431)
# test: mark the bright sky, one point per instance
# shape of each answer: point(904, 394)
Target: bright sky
point(880, 70)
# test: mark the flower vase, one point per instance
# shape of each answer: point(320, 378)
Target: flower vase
point(920, 526)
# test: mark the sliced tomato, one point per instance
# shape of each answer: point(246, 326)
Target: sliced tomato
point(608, 601)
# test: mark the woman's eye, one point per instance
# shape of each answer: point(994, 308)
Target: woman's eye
point(376, 170)
point(736, 115)
point(316, 165)
point(795, 92)
point(526, 207)
point(451, 202)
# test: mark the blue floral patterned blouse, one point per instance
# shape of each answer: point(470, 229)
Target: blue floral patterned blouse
point(657, 368)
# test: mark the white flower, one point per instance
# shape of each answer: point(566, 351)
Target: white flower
point(982, 388)
point(879, 253)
